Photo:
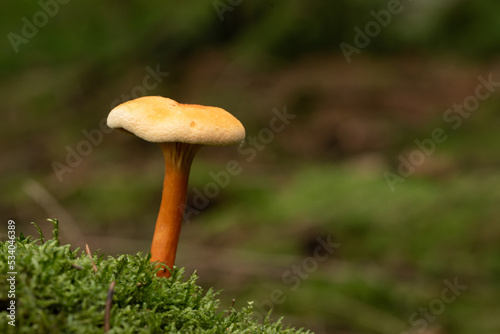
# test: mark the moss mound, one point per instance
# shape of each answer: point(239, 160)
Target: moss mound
point(59, 291)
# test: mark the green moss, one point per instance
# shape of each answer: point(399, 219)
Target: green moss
point(57, 291)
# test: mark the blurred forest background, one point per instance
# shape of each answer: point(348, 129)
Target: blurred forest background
point(333, 173)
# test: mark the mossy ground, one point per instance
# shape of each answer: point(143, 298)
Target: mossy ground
point(59, 291)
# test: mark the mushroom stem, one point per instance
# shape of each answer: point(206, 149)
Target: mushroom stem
point(178, 159)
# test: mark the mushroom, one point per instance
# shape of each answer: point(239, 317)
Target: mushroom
point(180, 130)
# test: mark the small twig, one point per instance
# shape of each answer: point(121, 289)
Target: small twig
point(107, 310)
point(76, 266)
point(231, 307)
point(90, 257)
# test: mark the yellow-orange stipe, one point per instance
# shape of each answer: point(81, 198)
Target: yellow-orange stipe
point(178, 159)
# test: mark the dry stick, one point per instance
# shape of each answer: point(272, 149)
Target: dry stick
point(231, 307)
point(107, 310)
point(91, 258)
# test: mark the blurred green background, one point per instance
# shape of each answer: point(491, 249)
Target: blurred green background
point(399, 245)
